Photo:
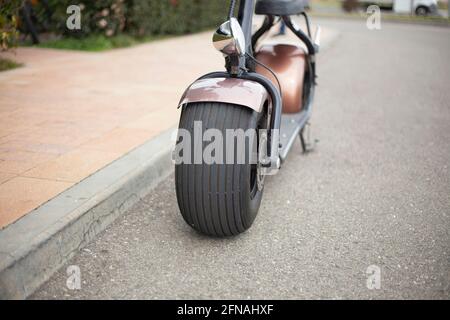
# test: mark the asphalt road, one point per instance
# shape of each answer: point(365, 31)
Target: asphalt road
point(375, 192)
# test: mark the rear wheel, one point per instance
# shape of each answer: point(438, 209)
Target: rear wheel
point(220, 198)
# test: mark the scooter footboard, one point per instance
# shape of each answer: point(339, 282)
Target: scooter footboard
point(238, 91)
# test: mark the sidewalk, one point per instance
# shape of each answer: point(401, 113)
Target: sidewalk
point(67, 114)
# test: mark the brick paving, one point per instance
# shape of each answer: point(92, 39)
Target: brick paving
point(65, 115)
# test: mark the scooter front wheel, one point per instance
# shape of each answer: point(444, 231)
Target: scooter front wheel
point(219, 196)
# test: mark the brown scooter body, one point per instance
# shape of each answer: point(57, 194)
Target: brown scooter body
point(288, 62)
point(237, 126)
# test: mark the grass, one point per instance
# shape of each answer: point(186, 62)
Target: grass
point(408, 18)
point(8, 64)
point(326, 3)
point(97, 42)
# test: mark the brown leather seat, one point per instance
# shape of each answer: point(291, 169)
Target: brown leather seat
point(289, 63)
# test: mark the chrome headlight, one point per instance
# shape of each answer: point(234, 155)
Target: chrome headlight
point(229, 38)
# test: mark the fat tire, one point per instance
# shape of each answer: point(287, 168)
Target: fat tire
point(216, 199)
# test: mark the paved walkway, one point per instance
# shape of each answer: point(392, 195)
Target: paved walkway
point(67, 114)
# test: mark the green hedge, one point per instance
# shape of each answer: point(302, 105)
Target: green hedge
point(9, 10)
point(106, 17)
point(140, 17)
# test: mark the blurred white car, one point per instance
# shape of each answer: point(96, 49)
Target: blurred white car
point(419, 7)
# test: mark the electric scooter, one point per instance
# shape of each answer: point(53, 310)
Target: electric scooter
point(266, 90)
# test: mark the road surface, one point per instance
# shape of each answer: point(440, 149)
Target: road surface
point(376, 192)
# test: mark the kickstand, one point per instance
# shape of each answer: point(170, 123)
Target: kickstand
point(308, 144)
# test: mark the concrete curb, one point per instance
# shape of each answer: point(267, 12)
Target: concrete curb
point(37, 245)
